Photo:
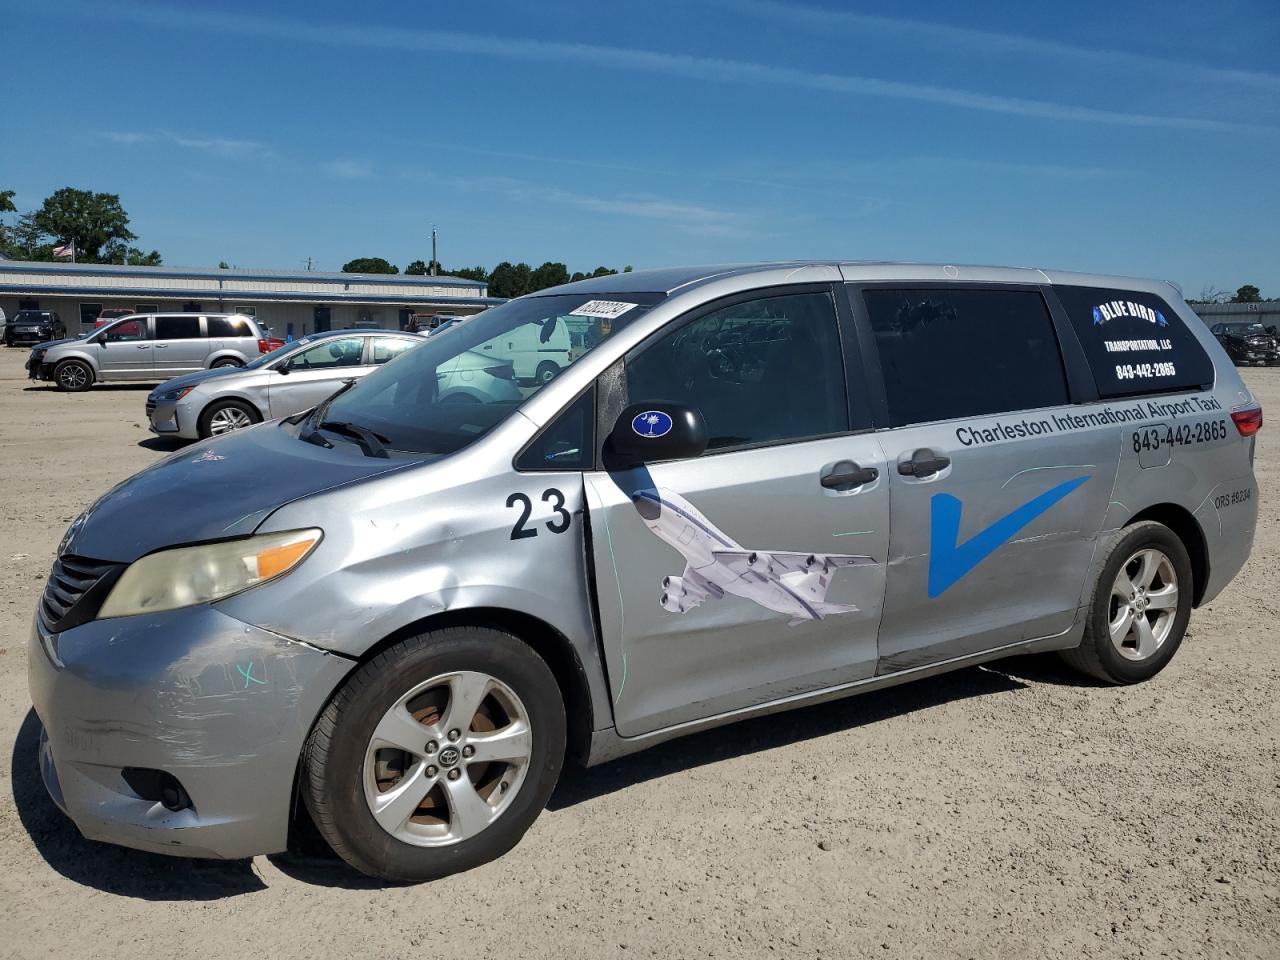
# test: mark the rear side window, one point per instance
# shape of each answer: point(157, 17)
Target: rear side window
point(177, 328)
point(387, 348)
point(228, 327)
point(951, 353)
point(1135, 342)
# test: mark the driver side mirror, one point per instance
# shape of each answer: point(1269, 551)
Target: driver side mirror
point(655, 431)
point(98, 338)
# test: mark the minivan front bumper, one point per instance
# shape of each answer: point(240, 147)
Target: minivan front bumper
point(222, 706)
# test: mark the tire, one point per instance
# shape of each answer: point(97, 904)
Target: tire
point(226, 362)
point(344, 774)
point(73, 376)
point(225, 416)
point(1123, 660)
point(548, 370)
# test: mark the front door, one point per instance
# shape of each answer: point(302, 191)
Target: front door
point(125, 351)
point(314, 373)
point(756, 571)
point(181, 346)
point(997, 495)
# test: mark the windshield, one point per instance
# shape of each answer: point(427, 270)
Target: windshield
point(467, 379)
point(1242, 328)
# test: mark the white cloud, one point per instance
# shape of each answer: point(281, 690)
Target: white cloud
point(712, 69)
point(348, 169)
point(220, 146)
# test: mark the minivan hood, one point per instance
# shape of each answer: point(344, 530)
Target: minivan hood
point(46, 344)
point(214, 490)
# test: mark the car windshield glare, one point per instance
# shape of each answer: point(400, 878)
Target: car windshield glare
point(465, 380)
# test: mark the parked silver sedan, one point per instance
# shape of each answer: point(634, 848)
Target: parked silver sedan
point(286, 381)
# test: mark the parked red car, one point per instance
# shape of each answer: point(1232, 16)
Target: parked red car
point(109, 314)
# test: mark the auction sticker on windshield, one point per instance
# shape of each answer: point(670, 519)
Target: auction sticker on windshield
point(608, 309)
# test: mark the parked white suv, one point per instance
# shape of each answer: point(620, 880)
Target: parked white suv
point(150, 346)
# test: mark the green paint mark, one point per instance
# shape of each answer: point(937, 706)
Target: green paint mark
point(248, 675)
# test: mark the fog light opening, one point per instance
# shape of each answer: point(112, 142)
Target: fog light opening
point(158, 786)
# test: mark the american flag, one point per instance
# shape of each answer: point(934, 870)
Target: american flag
point(66, 250)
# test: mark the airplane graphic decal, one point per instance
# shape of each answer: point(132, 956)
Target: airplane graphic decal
point(792, 583)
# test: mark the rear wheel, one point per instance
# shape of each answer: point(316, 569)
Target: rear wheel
point(437, 755)
point(73, 376)
point(1140, 608)
point(223, 416)
point(547, 371)
point(226, 362)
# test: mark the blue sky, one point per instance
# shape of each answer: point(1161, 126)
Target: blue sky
point(664, 131)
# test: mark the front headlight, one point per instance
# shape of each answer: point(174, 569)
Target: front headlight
point(185, 576)
point(177, 394)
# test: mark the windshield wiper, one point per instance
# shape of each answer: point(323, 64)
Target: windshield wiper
point(371, 443)
point(309, 420)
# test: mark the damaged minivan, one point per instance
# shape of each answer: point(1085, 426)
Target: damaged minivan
point(746, 489)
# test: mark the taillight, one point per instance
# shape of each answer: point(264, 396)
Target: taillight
point(1248, 421)
point(263, 346)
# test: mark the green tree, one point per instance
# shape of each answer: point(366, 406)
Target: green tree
point(117, 252)
point(6, 201)
point(91, 220)
point(603, 272)
point(223, 265)
point(416, 269)
point(548, 275)
point(1247, 294)
point(510, 280)
point(471, 273)
point(369, 265)
point(627, 269)
point(26, 237)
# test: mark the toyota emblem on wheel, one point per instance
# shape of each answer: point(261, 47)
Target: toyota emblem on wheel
point(449, 756)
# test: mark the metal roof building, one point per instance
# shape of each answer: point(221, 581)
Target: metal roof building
point(1266, 313)
point(288, 302)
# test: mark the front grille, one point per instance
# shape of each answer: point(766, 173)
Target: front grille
point(69, 581)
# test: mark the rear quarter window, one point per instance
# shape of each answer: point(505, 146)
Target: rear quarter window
point(1135, 343)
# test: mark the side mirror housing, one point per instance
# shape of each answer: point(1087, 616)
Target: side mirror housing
point(655, 431)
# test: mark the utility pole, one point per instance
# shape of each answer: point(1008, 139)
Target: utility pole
point(433, 249)
point(308, 264)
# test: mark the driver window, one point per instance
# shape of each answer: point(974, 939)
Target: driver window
point(129, 330)
point(330, 353)
point(762, 371)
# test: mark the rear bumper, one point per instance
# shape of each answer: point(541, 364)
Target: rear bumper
point(222, 706)
point(1228, 518)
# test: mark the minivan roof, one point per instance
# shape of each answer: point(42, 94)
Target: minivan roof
point(670, 279)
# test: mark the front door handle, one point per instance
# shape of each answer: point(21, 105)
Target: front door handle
point(845, 475)
point(923, 463)
point(161, 346)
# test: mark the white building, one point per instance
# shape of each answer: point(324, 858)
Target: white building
point(287, 303)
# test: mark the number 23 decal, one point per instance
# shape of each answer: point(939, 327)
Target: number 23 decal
point(525, 505)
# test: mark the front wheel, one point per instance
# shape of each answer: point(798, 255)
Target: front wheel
point(437, 755)
point(223, 416)
point(73, 376)
point(1140, 608)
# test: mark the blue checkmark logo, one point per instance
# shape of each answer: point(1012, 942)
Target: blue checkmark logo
point(950, 560)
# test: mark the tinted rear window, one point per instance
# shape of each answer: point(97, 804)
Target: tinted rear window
point(229, 327)
point(951, 353)
point(177, 328)
point(1135, 342)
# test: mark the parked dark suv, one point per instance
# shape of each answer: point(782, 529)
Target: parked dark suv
point(33, 326)
point(1247, 342)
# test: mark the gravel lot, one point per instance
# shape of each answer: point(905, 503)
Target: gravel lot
point(1008, 811)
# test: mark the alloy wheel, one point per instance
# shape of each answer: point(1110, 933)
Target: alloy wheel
point(228, 419)
point(1144, 604)
point(72, 376)
point(447, 759)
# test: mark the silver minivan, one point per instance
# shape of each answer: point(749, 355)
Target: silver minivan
point(753, 488)
point(147, 347)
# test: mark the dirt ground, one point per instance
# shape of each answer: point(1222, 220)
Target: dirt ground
point(1009, 811)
